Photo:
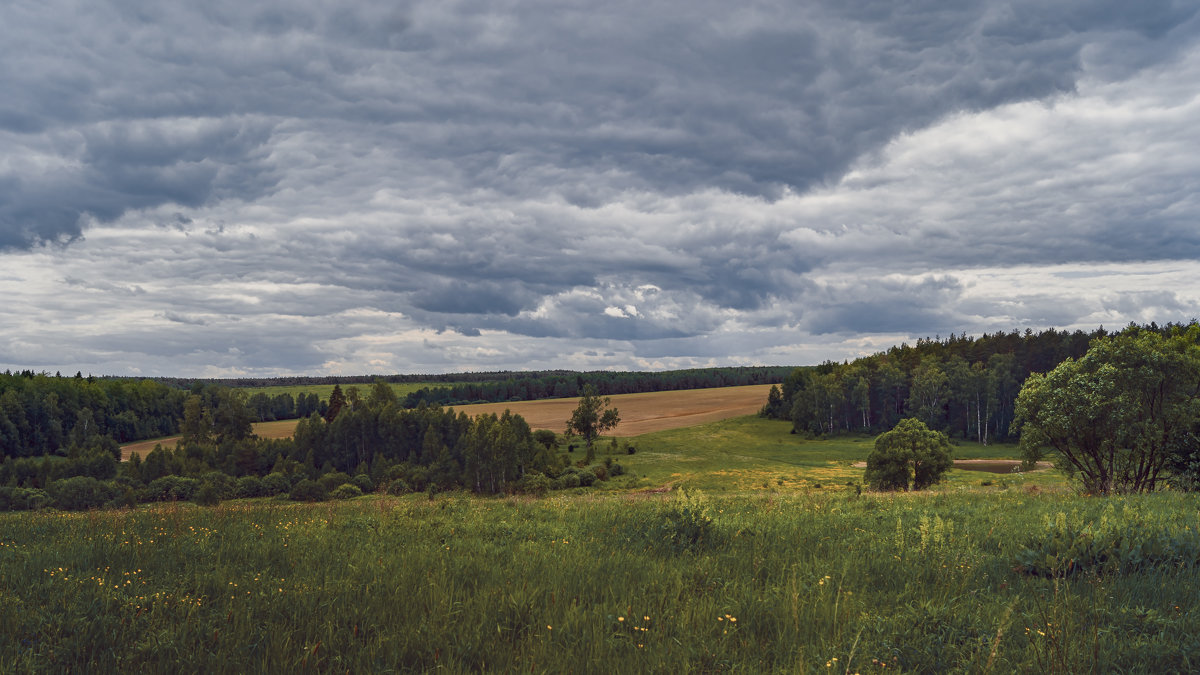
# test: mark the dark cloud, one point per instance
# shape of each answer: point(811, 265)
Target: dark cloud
point(296, 186)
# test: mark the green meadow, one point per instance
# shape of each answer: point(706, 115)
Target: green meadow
point(745, 565)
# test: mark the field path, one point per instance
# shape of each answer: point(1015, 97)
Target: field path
point(640, 413)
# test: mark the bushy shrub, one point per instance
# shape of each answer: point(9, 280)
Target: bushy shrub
point(170, 488)
point(601, 472)
point(570, 480)
point(223, 483)
point(80, 493)
point(616, 470)
point(334, 479)
point(208, 494)
point(275, 484)
point(586, 477)
point(398, 487)
point(534, 483)
point(23, 499)
point(363, 482)
point(248, 487)
point(346, 491)
point(1113, 543)
point(908, 456)
point(685, 524)
point(308, 491)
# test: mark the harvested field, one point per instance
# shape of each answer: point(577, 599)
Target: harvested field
point(276, 429)
point(640, 413)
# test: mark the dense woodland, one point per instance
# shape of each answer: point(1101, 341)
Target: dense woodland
point(42, 414)
point(541, 383)
point(965, 386)
point(565, 384)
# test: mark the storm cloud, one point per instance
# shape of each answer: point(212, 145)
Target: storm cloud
point(257, 188)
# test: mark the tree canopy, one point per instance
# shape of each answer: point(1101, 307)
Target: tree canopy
point(910, 456)
point(592, 416)
point(1120, 416)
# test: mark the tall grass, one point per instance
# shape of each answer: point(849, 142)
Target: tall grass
point(800, 582)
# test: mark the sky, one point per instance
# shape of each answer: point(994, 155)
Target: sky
point(229, 188)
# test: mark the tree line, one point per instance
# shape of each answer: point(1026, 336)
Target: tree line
point(964, 386)
point(42, 414)
point(363, 442)
point(566, 384)
point(649, 381)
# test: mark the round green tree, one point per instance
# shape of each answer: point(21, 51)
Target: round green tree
point(909, 457)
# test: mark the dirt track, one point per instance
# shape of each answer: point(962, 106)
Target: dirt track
point(640, 413)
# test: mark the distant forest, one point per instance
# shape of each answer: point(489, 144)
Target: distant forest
point(965, 386)
point(43, 414)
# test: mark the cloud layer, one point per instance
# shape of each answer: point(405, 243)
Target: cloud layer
point(310, 187)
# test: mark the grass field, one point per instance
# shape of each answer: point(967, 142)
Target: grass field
point(640, 413)
point(800, 581)
point(753, 454)
point(758, 558)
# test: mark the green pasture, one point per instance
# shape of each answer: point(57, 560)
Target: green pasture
point(754, 454)
point(798, 581)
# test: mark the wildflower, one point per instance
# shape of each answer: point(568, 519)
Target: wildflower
point(620, 618)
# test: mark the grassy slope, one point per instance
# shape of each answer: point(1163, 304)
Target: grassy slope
point(782, 583)
point(751, 453)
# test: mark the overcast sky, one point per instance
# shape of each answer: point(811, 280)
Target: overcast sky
point(227, 188)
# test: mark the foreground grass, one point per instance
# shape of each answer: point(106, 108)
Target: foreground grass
point(811, 581)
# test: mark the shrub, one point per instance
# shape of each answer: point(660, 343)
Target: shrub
point(334, 479)
point(308, 491)
point(910, 455)
point(208, 494)
point(631, 450)
point(223, 483)
point(363, 482)
point(601, 472)
point(80, 493)
point(1110, 544)
point(346, 491)
point(170, 488)
point(587, 477)
point(570, 480)
point(275, 484)
point(248, 487)
point(398, 487)
point(23, 499)
point(685, 524)
point(534, 483)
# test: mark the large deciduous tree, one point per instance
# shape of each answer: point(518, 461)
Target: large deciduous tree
point(592, 417)
point(1118, 417)
point(910, 456)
